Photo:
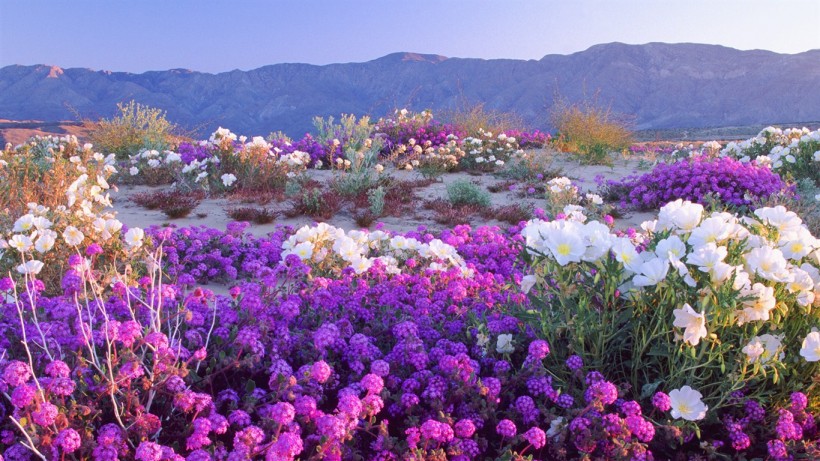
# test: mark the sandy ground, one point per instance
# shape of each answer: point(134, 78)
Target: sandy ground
point(212, 212)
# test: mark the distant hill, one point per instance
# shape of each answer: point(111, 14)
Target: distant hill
point(661, 85)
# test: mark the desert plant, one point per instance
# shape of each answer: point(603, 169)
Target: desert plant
point(475, 118)
point(136, 127)
point(257, 215)
point(375, 197)
point(463, 192)
point(589, 129)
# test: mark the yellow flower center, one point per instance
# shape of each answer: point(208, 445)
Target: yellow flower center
point(797, 247)
point(563, 249)
point(683, 408)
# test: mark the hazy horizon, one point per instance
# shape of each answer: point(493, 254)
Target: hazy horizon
point(217, 36)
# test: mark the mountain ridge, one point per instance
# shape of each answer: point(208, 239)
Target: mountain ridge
point(662, 85)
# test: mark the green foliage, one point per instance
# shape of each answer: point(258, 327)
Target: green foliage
point(375, 197)
point(590, 130)
point(135, 128)
point(463, 192)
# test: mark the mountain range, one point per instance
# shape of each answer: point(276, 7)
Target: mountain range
point(659, 85)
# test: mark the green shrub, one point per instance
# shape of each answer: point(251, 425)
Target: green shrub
point(590, 130)
point(135, 128)
point(463, 192)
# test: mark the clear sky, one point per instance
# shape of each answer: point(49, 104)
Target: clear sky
point(217, 36)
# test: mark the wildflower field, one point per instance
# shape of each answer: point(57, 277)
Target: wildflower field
point(557, 333)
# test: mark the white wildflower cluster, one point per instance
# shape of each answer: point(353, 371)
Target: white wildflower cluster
point(444, 157)
point(488, 151)
point(150, 159)
point(84, 218)
point(331, 248)
point(778, 257)
point(780, 149)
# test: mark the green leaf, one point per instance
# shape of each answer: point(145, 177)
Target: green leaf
point(250, 386)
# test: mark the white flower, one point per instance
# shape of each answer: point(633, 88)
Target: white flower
point(133, 171)
point(527, 282)
point(228, 179)
point(651, 272)
point(595, 199)
point(171, 157)
point(379, 168)
point(768, 263)
point(45, 242)
point(626, 254)
point(134, 237)
point(303, 250)
point(687, 404)
point(30, 267)
point(811, 347)
point(24, 224)
point(20, 243)
point(504, 344)
point(153, 163)
point(566, 244)
point(694, 324)
point(758, 308)
point(764, 348)
point(73, 236)
point(680, 214)
point(201, 176)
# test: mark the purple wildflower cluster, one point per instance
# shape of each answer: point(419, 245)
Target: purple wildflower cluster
point(298, 365)
point(696, 179)
point(426, 132)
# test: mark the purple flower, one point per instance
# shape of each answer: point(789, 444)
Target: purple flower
point(539, 349)
point(373, 383)
point(16, 373)
point(536, 437)
point(148, 451)
point(661, 401)
point(68, 440)
point(574, 362)
point(506, 428)
point(283, 412)
point(45, 415)
point(464, 428)
point(320, 371)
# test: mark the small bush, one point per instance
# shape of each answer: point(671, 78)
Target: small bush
point(448, 214)
point(174, 203)
point(316, 204)
point(474, 118)
point(590, 130)
point(257, 215)
point(466, 193)
point(136, 127)
point(512, 214)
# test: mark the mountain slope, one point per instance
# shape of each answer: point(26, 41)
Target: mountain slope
point(661, 85)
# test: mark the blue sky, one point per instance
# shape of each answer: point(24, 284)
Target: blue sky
point(217, 36)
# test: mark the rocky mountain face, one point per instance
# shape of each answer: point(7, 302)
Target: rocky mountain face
point(659, 85)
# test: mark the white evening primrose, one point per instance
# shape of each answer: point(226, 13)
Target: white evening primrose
point(759, 307)
point(566, 245)
point(45, 242)
point(32, 267)
point(133, 171)
point(810, 349)
point(504, 345)
point(228, 179)
point(134, 237)
point(687, 404)
point(626, 254)
point(651, 272)
point(527, 282)
point(21, 243)
point(24, 223)
point(303, 250)
point(768, 263)
point(73, 236)
point(693, 323)
point(764, 348)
